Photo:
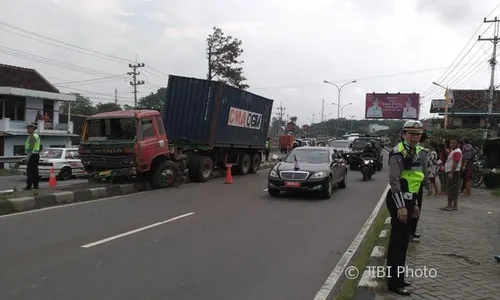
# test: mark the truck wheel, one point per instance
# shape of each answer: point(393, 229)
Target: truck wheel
point(201, 169)
point(244, 164)
point(255, 166)
point(165, 175)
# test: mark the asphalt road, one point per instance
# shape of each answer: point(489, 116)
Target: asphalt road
point(239, 243)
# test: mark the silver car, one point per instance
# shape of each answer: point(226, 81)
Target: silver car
point(65, 161)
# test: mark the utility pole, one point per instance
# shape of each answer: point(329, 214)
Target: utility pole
point(323, 110)
point(281, 113)
point(493, 62)
point(116, 96)
point(134, 81)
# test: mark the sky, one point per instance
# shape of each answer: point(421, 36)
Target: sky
point(290, 47)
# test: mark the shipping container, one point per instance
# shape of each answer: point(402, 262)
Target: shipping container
point(212, 114)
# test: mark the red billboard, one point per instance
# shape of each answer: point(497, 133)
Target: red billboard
point(392, 106)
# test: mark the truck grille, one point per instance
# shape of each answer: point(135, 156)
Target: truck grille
point(294, 175)
point(108, 162)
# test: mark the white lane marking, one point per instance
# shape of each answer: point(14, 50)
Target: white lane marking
point(136, 230)
point(69, 205)
point(338, 271)
point(264, 190)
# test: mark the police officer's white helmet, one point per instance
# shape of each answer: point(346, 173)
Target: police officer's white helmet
point(413, 127)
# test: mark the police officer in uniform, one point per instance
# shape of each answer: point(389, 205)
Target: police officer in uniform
point(32, 150)
point(405, 178)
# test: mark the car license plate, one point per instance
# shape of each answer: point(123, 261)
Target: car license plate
point(292, 184)
point(104, 173)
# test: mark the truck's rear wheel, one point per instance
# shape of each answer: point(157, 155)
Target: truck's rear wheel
point(164, 175)
point(244, 164)
point(200, 169)
point(254, 167)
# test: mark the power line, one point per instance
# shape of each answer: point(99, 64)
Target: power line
point(493, 62)
point(94, 80)
point(67, 46)
point(52, 62)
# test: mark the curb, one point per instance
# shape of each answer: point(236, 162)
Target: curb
point(16, 205)
point(368, 282)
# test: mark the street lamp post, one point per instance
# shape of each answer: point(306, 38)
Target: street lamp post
point(445, 106)
point(342, 108)
point(339, 89)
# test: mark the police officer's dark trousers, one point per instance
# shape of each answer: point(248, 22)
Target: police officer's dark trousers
point(398, 243)
point(414, 221)
point(32, 176)
point(266, 151)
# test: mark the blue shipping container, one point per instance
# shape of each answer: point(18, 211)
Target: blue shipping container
point(209, 113)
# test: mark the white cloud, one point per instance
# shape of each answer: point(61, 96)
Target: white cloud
point(291, 46)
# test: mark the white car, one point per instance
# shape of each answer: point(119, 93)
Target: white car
point(65, 161)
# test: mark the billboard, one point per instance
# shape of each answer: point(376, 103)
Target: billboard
point(392, 106)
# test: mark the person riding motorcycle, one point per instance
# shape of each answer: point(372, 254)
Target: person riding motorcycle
point(369, 153)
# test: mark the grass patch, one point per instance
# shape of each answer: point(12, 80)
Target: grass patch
point(495, 192)
point(362, 258)
point(9, 172)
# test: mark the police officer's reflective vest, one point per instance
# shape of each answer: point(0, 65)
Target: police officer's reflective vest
point(36, 146)
point(411, 179)
point(267, 144)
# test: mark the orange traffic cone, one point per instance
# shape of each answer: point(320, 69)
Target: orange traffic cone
point(52, 180)
point(229, 177)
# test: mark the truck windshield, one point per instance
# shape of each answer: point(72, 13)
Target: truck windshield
point(110, 129)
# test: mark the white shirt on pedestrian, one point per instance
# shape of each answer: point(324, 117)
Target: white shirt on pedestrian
point(449, 161)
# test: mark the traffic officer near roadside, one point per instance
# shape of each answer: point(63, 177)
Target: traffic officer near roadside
point(405, 179)
point(268, 148)
point(32, 150)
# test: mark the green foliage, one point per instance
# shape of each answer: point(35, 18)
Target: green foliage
point(106, 107)
point(154, 100)
point(82, 106)
point(223, 53)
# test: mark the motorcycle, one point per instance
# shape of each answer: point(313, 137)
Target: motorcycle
point(478, 170)
point(367, 168)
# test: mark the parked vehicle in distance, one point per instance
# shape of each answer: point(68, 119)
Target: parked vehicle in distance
point(343, 147)
point(310, 169)
point(206, 124)
point(285, 142)
point(65, 161)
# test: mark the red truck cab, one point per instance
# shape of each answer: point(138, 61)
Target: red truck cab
point(128, 143)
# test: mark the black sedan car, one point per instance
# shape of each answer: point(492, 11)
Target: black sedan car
point(311, 169)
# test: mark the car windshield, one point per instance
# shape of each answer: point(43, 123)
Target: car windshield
point(359, 143)
point(339, 144)
point(51, 153)
point(110, 129)
point(313, 156)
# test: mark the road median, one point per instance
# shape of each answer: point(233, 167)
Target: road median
point(30, 200)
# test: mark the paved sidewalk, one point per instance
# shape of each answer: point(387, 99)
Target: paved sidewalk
point(460, 246)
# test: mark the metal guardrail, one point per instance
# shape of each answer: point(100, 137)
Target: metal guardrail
point(11, 159)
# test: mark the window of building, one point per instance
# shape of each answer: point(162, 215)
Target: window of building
point(19, 150)
point(13, 108)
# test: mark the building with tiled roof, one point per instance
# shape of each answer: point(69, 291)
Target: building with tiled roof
point(26, 97)
point(469, 109)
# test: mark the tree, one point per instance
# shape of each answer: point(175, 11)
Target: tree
point(154, 100)
point(82, 106)
point(106, 107)
point(223, 53)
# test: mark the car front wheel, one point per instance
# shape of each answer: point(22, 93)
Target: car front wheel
point(327, 189)
point(273, 192)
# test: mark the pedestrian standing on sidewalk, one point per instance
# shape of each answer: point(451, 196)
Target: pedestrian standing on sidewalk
point(452, 170)
point(468, 155)
point(32, 149)
point(405, 178)
point(268, 148)
point(432, 162)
